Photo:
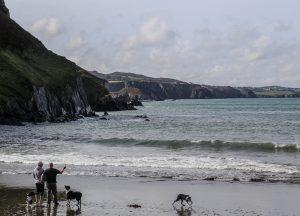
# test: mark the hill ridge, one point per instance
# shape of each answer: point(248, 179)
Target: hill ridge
point(160, 88)
point(38, 85)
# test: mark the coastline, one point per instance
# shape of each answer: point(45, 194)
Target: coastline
point(111, 195)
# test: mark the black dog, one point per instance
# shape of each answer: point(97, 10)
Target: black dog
point(29, 197)
point(73, 195)
point(185, 198)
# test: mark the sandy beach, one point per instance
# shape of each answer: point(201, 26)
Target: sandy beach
point(111, 196)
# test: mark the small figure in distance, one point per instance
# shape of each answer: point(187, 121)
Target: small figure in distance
point(50, 176)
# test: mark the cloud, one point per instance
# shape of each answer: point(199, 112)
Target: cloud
point(217, 70)
point(183, 46)
point(249, 55)
point(49, 27)
point(262, 42)
point(151, 32)
point(103, 68)
point(237, 56)
point(257, 50)
point(75, 42)
point(243, 56)
point(281, 27)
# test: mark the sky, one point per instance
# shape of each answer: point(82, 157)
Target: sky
point(215, 42)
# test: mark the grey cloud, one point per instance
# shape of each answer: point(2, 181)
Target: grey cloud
point(281, 27)
point(75, 42)
point(48, 27)
point(240, 56)
point(153, 31)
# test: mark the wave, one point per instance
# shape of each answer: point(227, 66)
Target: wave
point(217, 145)
point(155, 163)
point(166, 167)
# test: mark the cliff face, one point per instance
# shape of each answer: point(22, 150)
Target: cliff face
point(163, 90)
point(38, 85)
point(157, 91)
point(45, 105)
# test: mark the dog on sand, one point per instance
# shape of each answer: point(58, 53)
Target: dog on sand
point(73, 195)
point(29, 197)
point(183, 197)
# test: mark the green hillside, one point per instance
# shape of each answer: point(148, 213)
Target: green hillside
point(37, 84)
point(276, 92)
point(24, 61)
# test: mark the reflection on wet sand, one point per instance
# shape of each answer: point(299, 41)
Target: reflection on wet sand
point(50, 211)
point(71, 212)
point(40, 211)
point(184, 211)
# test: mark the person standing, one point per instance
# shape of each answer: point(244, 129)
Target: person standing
point(39, 183)
point(50, 176)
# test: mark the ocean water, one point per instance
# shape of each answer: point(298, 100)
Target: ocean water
point(184, 139)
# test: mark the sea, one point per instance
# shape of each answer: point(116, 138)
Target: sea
point(245, 140)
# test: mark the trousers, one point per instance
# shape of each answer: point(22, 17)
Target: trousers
point(52, 190)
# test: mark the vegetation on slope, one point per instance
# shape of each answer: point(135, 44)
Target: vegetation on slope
point(25, 65)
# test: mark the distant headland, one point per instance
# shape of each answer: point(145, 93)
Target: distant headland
point(148, 88)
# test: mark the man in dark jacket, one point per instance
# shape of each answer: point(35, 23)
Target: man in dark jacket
point(50, 176)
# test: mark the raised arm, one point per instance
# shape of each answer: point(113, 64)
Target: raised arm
point(61, 172)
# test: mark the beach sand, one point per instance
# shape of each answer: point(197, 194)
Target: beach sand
point(110, 196)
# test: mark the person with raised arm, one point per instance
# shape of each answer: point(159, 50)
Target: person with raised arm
point(50, 177)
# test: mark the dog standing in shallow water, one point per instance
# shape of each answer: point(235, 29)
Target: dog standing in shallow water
point(29, 197)
point(185, 198)
point(73, 195)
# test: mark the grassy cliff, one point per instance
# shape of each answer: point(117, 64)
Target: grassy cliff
point(35, 83)
point(276, 92)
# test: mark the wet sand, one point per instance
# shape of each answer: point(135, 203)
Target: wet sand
point(110, 196)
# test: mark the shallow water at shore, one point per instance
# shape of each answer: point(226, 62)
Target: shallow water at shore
point(110, 196)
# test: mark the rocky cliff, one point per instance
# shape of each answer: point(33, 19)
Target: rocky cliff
point(3, 8)
point(102, 100)
point(38, 85)
point(164, 88)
